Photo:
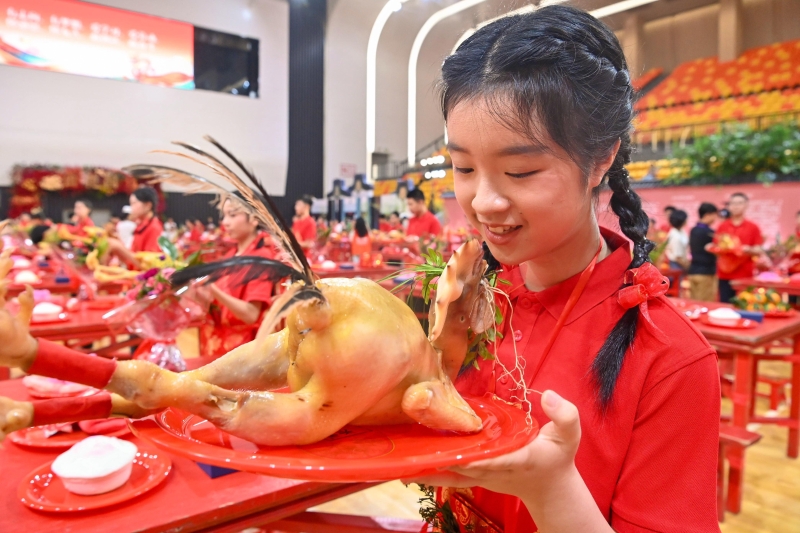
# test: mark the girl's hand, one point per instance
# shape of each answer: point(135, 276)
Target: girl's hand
point(537, 466)
point(14, 416)
point(17, 347)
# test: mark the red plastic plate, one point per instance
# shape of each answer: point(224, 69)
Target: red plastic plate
point(35, 438)
point(354, 454)
point(44, 491)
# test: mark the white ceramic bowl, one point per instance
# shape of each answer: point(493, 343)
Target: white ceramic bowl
point(26, 276)
point(724, 317)
point(46, 312)
point(95, 465)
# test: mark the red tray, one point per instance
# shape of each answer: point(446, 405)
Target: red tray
point(354, 454)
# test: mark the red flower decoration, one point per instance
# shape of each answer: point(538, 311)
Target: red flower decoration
point(645, 283)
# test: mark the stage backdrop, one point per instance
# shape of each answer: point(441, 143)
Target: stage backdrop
point(82, 38)
point(772, 207)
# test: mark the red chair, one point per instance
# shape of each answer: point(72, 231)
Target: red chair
point(730, 437)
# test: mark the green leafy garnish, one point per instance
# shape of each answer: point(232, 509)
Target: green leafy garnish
point(439, 517)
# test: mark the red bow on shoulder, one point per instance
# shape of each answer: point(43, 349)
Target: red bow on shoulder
point(645, 283)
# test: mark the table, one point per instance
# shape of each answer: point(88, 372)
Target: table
point(187, 501)
point(742, 344)
point(783, 287)
point(83, 324)
point(48, 282)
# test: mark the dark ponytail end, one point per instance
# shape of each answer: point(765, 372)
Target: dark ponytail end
point(633, 222)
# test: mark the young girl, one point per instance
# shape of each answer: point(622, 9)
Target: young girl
point(237, 307)
point(677, 250)
point(538, 110)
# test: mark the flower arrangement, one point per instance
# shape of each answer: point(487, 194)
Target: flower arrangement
point(153, 282)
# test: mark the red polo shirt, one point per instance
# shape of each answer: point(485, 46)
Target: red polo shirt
point(749, 235)
point(226, 332)
point(146, 234)
point(80, 227)
point(650, 462)
point(305, 229)
point(424, 225)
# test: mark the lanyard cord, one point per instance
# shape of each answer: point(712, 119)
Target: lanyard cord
point(573, 299)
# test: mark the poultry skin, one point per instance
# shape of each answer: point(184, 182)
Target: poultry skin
point(357, 356)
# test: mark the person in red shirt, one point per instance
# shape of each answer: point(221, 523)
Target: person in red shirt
point(83, 219)
point(143, 204)
point(383, 224)
point(748, 234)
point(538, 110)
point(236, 307)
point(423, 223)
point(303, 225)
point(360, 239)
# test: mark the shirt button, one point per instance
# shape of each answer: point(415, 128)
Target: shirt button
point(504, 379)
point(525, 303)
point(518, 335)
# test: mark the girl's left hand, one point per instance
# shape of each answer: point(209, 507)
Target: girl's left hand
point(538, 465)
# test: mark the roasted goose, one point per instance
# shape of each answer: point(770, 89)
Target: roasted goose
point(351, 352)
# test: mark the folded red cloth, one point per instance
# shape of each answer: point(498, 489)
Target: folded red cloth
point(102, 427)
point(57, 361)
point(71, 409)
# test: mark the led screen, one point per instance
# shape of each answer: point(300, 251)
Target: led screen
point(91, 40)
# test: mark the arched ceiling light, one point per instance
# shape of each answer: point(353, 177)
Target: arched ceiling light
point(392, 6)
point(434, 19)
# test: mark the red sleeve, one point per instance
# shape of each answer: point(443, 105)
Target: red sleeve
point(310, 230)
point(758, 238)
point(151, 237)
point(668, 481)
point(258, 291)
point(435, 228)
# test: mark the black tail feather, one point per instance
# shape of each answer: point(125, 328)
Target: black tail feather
point(247, 268)
point(270, 204)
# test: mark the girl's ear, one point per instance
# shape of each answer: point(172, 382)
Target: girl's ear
point(602, 166)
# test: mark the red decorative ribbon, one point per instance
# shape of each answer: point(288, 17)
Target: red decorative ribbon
point(645, 283)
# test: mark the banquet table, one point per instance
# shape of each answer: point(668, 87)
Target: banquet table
point(744, 346)
point(85, 323)
point(48, 282)
point(783, 287)
point(188, 500)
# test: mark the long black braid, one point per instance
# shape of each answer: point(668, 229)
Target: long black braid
point(565, 68)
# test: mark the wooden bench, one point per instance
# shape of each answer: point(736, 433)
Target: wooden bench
point(731, 436)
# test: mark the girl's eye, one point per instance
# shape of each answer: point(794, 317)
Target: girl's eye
point(521, 175)
point(463, 170)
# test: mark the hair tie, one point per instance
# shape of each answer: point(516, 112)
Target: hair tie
point(644, 283)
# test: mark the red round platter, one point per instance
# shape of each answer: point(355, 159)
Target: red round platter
point(780, 314)
point(44, 491)
point(742, 323)
point(354, 454)
point(35, 438)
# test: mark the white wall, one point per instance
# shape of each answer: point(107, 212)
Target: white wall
point(349, 24)
point(54, 118)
